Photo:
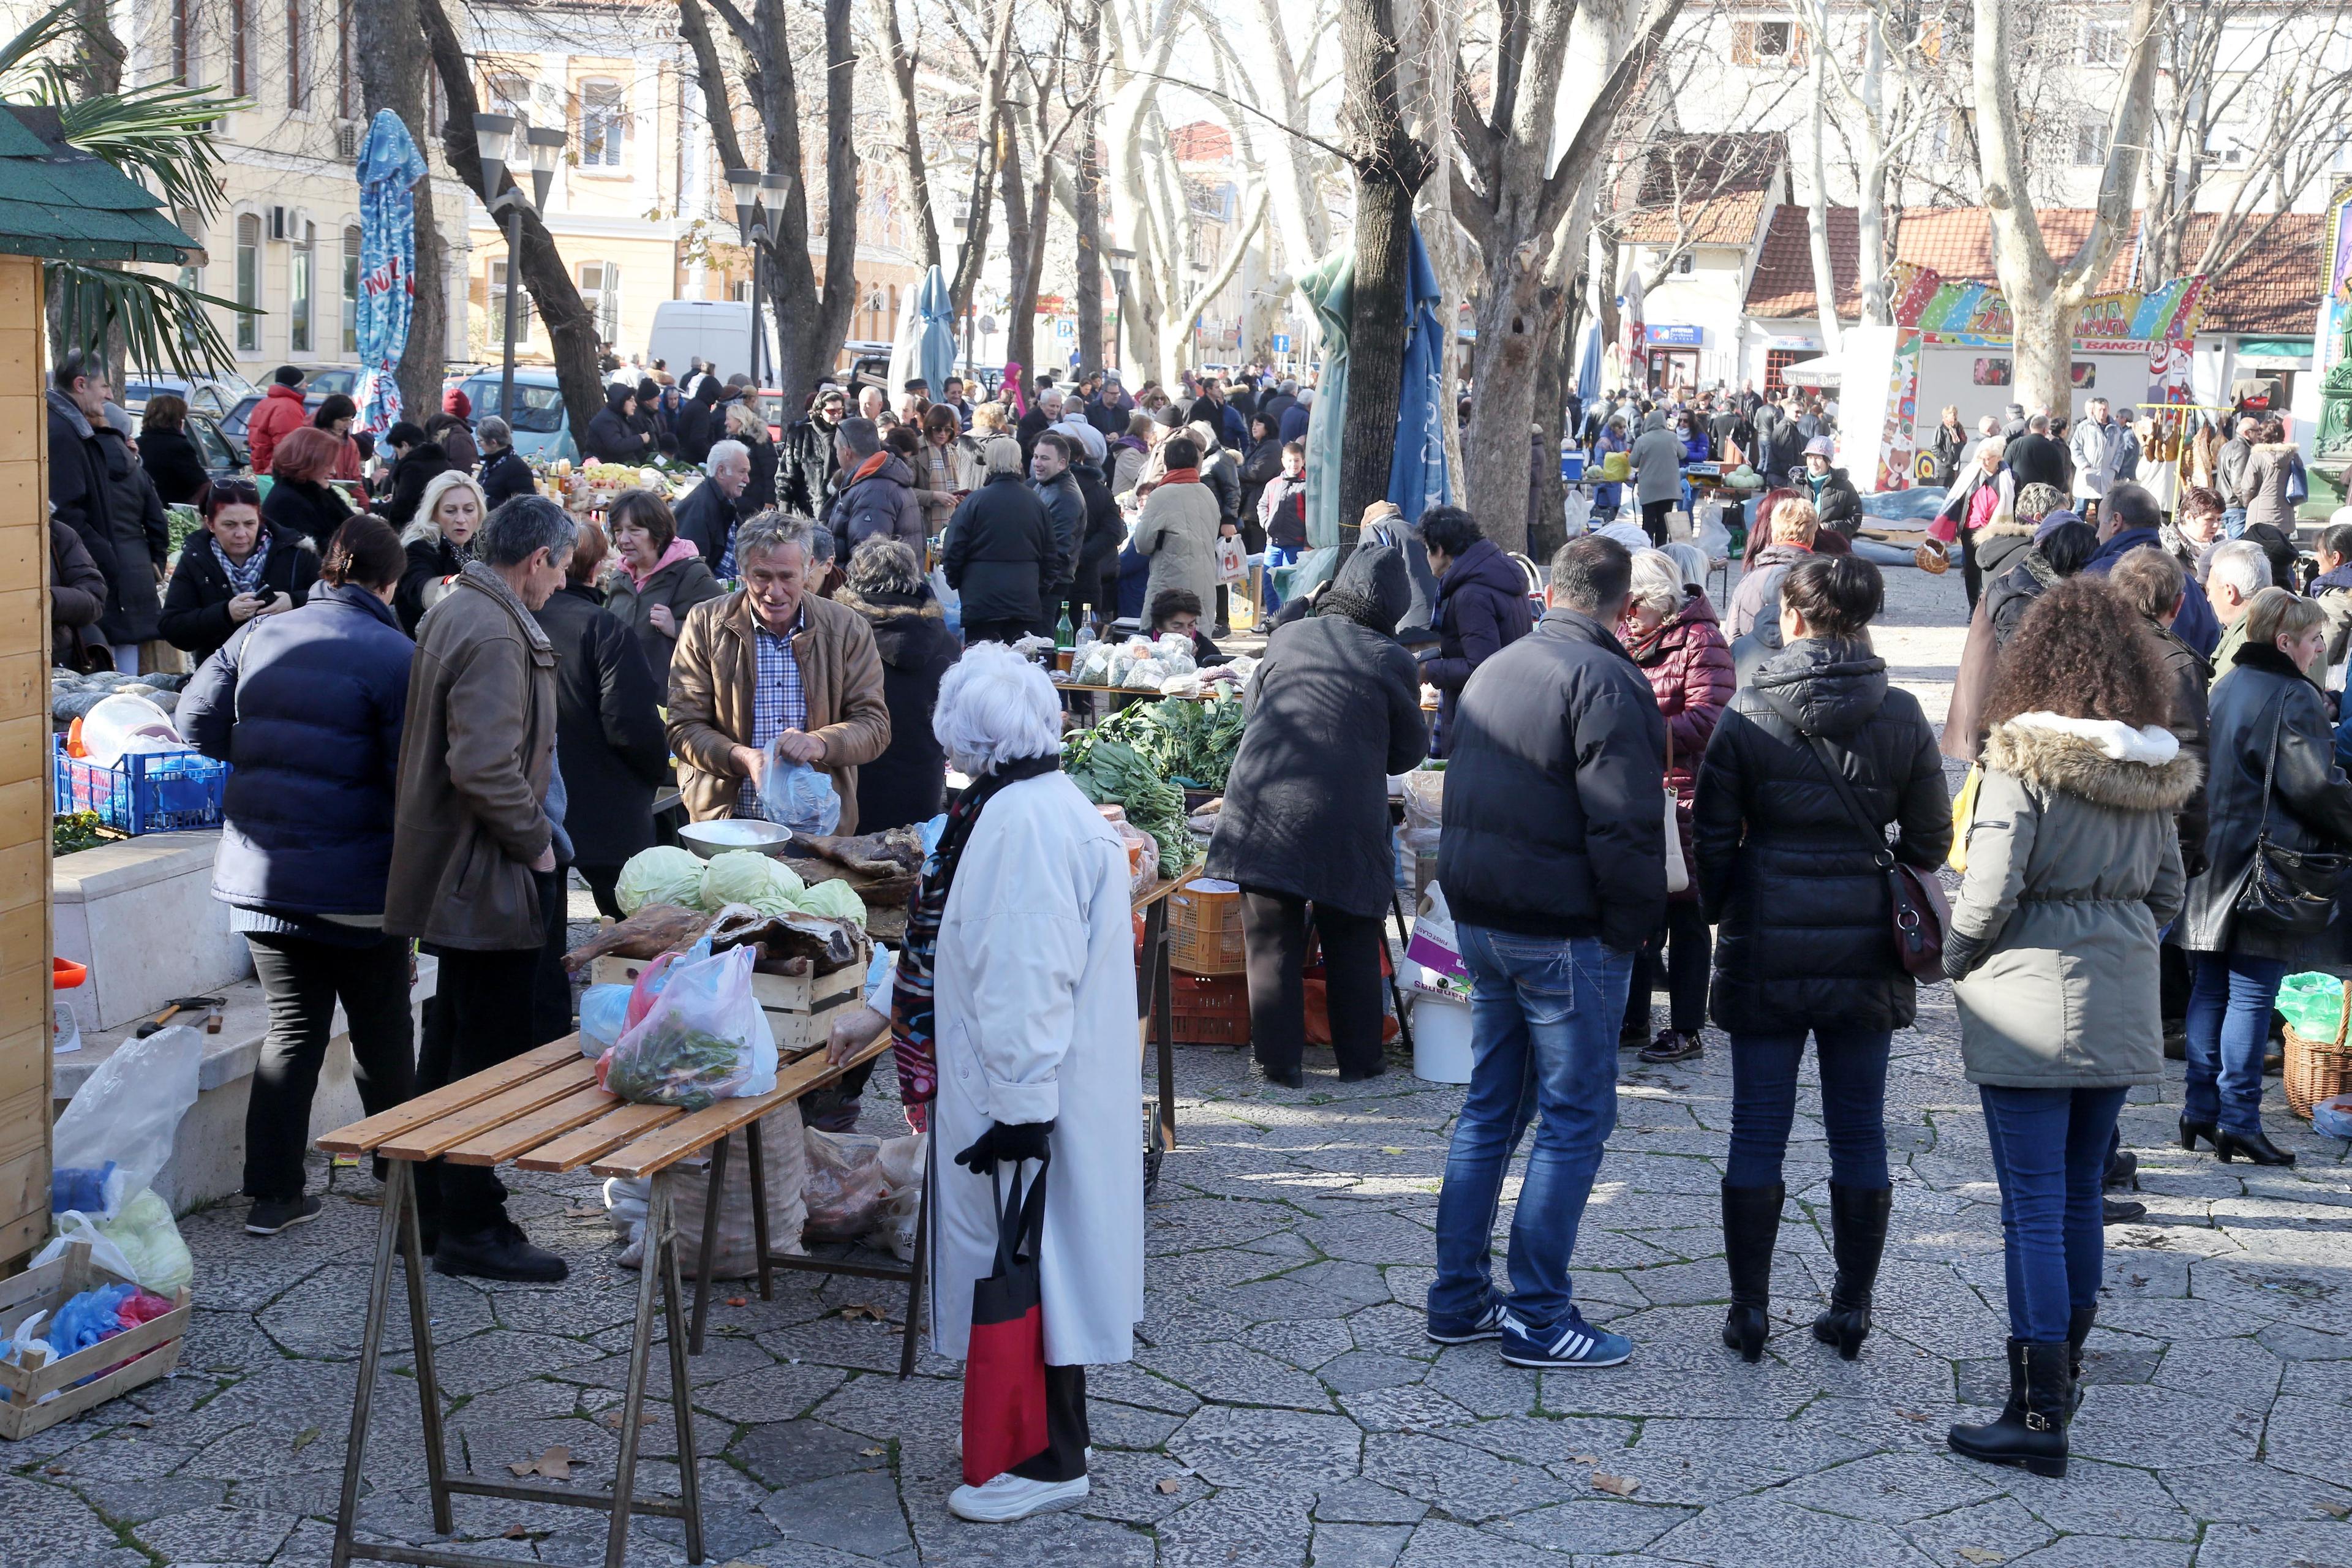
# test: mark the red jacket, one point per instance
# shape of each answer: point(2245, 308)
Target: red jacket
point(279, 415)
point(1689, 668)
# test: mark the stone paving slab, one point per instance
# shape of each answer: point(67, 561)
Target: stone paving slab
point(1284, 1407)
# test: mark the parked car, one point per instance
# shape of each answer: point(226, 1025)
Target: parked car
point(223, 457)
point(541, 429)
point(319, 380)
point(213, 396)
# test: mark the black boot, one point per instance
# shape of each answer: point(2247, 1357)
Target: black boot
point(2031, 1429)
point(1858, 1237)
point(1751, 1224)
point(2255, 1146)
point(2078, 1328)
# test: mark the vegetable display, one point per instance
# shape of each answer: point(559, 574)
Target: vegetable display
point(662, 875)
point(665, 875)
point(1191, 742)
point(745, 876)
point(1110, 772)
point(674, 1063)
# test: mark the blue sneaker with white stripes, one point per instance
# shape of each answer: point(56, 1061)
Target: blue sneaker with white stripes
point(1570, 1343)
point(1486, 1325)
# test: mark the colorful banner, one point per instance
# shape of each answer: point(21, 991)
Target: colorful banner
point(389, 168)
point(1895, 441)
point(1977, 313)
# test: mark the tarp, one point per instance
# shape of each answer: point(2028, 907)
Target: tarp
point(389, 167)
point(935, 355)
point(1330, 290)
point(1417, 478)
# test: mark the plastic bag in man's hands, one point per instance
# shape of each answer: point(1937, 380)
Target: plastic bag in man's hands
point(128, 1110)
point(800, 798)
point(704, 1039)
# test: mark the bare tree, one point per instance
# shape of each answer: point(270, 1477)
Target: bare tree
point(391, 66)
point(899, 64)
point(2045, 294)
point(812, 319)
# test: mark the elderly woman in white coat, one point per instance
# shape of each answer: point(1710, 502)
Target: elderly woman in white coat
point(1031, 974)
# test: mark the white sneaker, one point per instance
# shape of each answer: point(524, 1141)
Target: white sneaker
point(1006, 1498)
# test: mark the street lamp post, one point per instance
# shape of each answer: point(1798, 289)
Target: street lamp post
point(1118, 275)
point(748, 186)
point(495, 135)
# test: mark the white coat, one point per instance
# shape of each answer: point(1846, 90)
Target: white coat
point(1034, 990)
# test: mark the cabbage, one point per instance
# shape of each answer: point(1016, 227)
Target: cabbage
point(738, 877)
point(662, 875)
point(835, 901)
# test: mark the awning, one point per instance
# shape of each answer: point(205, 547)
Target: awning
point(2274, 354)
point(1821, 372)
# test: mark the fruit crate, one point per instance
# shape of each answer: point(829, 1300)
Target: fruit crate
point(1204, 927)
point(1207, 1010)
point(799, 1006)
point(113, 1366)
point(150, 791)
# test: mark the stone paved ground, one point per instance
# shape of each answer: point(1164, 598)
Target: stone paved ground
point(1282, 1407)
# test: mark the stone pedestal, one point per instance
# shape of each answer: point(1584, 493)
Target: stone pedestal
point(140, 913)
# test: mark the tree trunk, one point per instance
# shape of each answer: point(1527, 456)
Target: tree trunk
point(571, 325)
point(98, 54)
point(1390, 167)
point(1086, 199)
point(1517, 326)
point(1870, 208)
point(901, 74)
point(1021, 250)
point(974, 255)
point(1817, 223)
point(384, 39)
point(1555, 379)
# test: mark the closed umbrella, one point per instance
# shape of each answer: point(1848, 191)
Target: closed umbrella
point(1588, 368)
point(1330, 290)
point(1417, 478)
point(389, 168)
point(935, 356)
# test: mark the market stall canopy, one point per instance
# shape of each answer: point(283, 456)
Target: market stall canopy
point(1826, 371)
point(66, 205)
point(935, 356)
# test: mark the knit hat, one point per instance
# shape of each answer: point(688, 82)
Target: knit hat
point(455, 401)
point(1821, 446)
point(2051, 521)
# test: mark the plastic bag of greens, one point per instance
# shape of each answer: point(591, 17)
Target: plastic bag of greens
point(798, 796)
point(703, 1038)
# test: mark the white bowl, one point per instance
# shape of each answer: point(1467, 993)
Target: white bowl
point(723, 834)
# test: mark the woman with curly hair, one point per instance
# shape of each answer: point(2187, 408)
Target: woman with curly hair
point(2074, 867)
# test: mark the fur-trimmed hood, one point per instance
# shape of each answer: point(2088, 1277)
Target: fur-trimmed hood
point(2104, 760)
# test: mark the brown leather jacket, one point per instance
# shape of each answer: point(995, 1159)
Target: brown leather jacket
point(476, 751)
point(711, 680)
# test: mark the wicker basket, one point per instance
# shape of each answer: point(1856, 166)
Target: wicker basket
point(2319, 1069)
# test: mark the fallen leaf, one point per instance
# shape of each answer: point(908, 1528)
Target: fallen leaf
point(872, 1453)
point(1392, 1149)
point(613, 1419)
point(1979, 1554)
point(586, 1211)
point(305, 1437)
point(866, 1310)
point(53, 1469)
point(555, 1464)
point(512, 1532)
point(141, 1421)
point(1584, 1459)
point(1909, 1415)
point(739, 1300)
point(1170, 1485)
point(1615, 1486)
point(2333, 1509)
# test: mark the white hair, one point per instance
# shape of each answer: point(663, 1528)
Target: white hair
point(723, 451)
point(1657, 579)
point(995, 707)
point(2241, 564)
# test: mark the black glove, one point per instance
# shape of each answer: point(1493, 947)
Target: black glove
point(1011, 1141)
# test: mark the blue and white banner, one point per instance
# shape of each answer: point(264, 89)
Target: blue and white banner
point(389, 167)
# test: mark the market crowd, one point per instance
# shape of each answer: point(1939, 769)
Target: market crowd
point(440, 706)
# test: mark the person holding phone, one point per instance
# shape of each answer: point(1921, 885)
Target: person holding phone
point(234, 568)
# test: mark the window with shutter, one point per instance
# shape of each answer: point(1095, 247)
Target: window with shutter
point(603, 124)
point(249, 282)
point(301, 275)
point(240, 22)
point(351, 289)
point(298, 58)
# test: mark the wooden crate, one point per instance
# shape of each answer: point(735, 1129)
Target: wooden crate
point(800, 1007)
point(149, 1351)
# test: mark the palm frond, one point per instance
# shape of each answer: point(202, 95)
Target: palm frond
point(43, 31)
point(161, 134)
point(161, 323)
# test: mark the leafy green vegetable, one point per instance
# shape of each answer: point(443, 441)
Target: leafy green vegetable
point(1187, 741)
point(835, 899)
point(739, 877)
point(1110, 772)
point(664, 874)
point(77, 830)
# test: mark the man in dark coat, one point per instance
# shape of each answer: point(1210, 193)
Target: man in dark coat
point(705, 519)
point(2131, 519)
point(81, 497)
point(1054, 485)
point(876, 492)
point(699, 425)
point(805, 467)
point(142, 532)
point(1096, 586)
point(1553, 862)
point(2038, 458)
point(610, 744)
point(1337, 709)
point(1482, 608)
point(613, 434)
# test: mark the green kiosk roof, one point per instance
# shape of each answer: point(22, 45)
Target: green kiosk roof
point(62, 203)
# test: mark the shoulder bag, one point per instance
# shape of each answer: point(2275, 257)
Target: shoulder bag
point(1921, 914)
point(2287, 892)
point(1677, 873)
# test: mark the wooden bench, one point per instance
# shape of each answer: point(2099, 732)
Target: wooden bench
point(542, 1112)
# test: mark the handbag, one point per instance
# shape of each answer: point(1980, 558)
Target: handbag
point(2299, 485)
point(1921, 914)
point(1677, 873)
point(1005, 1366)
point(2287, 892)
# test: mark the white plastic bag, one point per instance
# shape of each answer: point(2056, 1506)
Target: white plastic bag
point(1712, 536)
point(1232, 561)
point(704, 1038)
point(2333, 1117)
point(603, 1017)
point(126, 1115)
point(1576, 512)
point(74, 1225)
point(950, 602)
point(800, 798)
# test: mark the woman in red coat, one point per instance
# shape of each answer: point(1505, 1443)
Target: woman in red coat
point(1673, 634)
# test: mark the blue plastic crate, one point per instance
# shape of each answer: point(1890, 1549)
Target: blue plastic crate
point(168, 791)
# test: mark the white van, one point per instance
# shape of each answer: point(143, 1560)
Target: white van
point(718, 332)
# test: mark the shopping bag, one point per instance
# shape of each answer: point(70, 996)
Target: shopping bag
point(1004, 1367)
point(1576, 512)
point(704, 1038)
point(1964, 812)
point(1232, 561)
point(799, 797)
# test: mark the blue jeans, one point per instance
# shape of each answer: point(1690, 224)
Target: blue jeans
point(2049, 1153)
point(2233, 521)
point(2229, 1000)
point(1276, 555)
point(1544, 1014)
point(1880, 553)
point(1854, 1104)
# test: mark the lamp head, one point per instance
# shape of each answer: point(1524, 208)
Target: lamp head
point(546, 150)
point(494, 135)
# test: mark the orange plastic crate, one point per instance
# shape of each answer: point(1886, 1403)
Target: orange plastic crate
point(1207, 1010)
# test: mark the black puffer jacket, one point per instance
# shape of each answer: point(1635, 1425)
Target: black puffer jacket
point(1837, 503)
point(1106, 531)
point(1482, 609)
point(506, 474)
point(142, 540)
point(2188, 676)
point(609, 740)
point(907, 782)
point(612, 438)
point(430, 559)
point(309, 510)
point(1554, 800)
point(1336, 707)
point(1000, 557)
point(1805, 918)
point(2014, 593)
point(2310, 805)
point(196, 605)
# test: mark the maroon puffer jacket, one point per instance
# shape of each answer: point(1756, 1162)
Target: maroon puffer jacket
point(1689, 668)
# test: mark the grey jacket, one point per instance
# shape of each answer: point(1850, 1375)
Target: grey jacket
point(1657, 459)
point(2074, 867)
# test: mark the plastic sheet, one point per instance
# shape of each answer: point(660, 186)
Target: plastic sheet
point(128, 1110)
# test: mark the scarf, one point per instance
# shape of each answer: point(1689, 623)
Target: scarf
point(1357, 608)
point(245, 579)
point(676, 551)
point(1181, 477)
point(913, 1023)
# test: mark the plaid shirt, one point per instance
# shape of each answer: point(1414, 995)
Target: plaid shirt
point(778, 701)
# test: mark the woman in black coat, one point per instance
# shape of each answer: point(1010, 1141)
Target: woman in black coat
point(76, 599)
point(300, 501)
point(613, 436)
point(1336, 707)
point(506, 474)
point(907, 782)
point(1805, 944)
point(609, 742)
point(418, 468)
point(236, 568)
point(165, 451)
point(999, 554)
point(2274, 775)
